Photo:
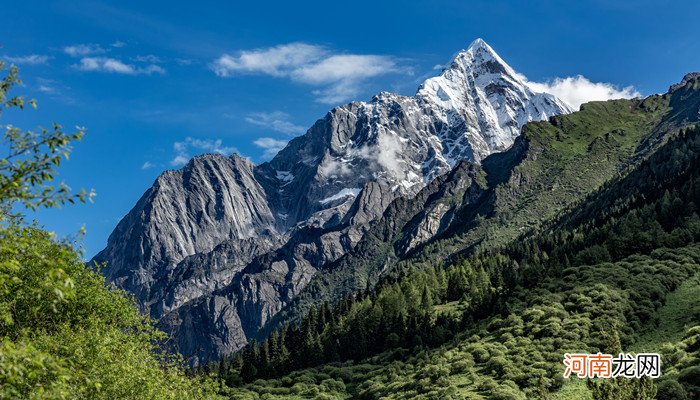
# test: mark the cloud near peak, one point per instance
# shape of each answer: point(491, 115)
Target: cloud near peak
point(270, 145)
point(184, 149)
point(338, 77)
point(576, 90)
point(277, 121)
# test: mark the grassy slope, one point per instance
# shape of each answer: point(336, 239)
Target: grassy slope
point(681, 311)
point(568, 158)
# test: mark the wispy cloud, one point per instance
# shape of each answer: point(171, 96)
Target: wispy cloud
point(339, 76)
point(270, 145)
point(184, 149)
point(147, 165)
point(54, 89)
point(32, 59)
point(576, 90)
point(92, 58)
point(113, 65)
point(81, 50)
point(277, 121)
point(278, 61)
point(385, 156)
point(185, 61)
point(47, 86)
point(149, 58)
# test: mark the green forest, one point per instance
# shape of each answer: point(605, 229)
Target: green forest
point(616, 270)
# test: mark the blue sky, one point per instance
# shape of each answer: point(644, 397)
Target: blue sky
point(160, 82)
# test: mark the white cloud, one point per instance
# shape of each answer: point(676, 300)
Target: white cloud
point(334, 168)
point(46, 89)
point(211, 145)
point(389, 149)
point(118, 44)
point(385, 155)
point(270, 145)
point(106, 64)
point(80, 50)
point(276, 61)
point(148, 58)
point(184, 61)
point(338, 76)
point(47, 86)
point(277, 121)
point(54, 89)
point(338, 92)
point(32, 59)
point(179, 160)
point(343, 75)
point(147, 165)
point(344, 67)
point(576, 90)
point(198, 146)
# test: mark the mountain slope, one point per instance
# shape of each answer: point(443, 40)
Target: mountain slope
point(308, 204)
point(496, 324)
point(551, 167)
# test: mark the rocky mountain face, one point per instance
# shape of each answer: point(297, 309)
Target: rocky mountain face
point(217, 248)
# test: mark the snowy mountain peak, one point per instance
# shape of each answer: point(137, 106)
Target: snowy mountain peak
point(480, 48)
point(478, 58)
point(488, 96)
point(479, 43)
point(480, 51)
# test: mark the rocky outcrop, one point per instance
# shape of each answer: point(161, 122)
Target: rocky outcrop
point(385, 242)
point(188, 211)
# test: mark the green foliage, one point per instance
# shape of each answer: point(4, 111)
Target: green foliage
point(623, 389)
point(682, 364)
point(27, 172)
point(63, 333)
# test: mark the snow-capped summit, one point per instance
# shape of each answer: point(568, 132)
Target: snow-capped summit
point(310, 204)
point(479, 54)
point(479, 88)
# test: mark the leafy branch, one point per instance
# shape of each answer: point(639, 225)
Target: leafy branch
point(27, 172)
